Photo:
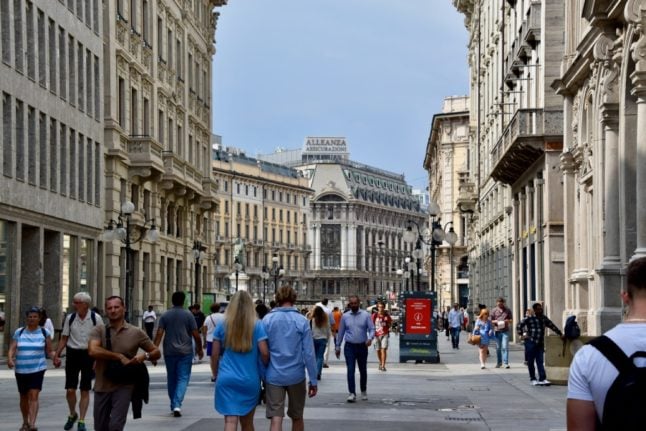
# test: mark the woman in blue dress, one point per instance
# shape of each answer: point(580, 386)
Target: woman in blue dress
point(483, 328)
point(239, 353)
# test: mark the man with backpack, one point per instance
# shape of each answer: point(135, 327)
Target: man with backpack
point(607, 383)
point(75, 338)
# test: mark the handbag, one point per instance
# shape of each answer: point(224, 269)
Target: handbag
point(115, 371)
point(474, 339)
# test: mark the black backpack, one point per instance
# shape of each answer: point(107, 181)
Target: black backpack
point(92, 316)
point(571, 329)
point(624, 405)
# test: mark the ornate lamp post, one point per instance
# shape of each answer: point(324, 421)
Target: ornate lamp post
point(198, 256)
point(238, 267)
point(276, 271)
point(130, 234)
point(265, 276)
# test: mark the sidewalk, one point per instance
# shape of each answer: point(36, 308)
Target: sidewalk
point(452, 395)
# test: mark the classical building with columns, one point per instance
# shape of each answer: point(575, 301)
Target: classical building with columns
point(447, 163)
point(516, 239)
point(157, 83)
point(603, 85)
point(358, 216)
point(262, 216)
point(51, 157)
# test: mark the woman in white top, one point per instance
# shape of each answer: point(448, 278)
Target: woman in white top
point(321, 333)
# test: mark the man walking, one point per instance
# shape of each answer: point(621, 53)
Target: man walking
point(118, 342)
point(501, 321)
point(210, 323)
point(149, 321)
point(291, 351)
point(178, 329)
point(456, 318)
point(382, 321)
point(591, 399)
point(534, 327)
point(357, 330)
point(74, 339)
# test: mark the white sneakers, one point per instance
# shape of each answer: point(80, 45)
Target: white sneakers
point(534, 382)
point(352, 397)
point(541, 383)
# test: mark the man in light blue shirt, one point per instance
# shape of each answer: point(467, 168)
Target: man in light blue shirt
point(357, 330)
point(456, 318)
point(291, 350)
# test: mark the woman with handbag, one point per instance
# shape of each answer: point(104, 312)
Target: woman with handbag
point(482, 327)
point(242, 342)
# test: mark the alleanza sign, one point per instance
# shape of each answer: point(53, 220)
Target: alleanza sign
point(325, 145)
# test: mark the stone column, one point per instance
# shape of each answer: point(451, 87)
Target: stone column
point(635, 14)
point(344, 246)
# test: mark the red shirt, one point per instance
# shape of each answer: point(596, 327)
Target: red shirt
point(382, 324)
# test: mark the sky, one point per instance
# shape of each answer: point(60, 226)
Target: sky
point(372, 71)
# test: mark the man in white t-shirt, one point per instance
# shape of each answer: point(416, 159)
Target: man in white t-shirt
point(591, 374)
point(210, 323)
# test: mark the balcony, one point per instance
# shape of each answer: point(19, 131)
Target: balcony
point(180, 175)
point(532, 28)
point(467, 196)
point(528, 135)
point(145, 155)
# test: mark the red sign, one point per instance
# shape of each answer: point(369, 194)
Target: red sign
point(418, 316)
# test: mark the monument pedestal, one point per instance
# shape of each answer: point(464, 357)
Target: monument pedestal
point(243, 281)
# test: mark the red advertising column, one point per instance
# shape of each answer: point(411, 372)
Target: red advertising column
point(418, 316)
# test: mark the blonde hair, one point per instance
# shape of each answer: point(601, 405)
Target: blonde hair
point(483, 313)
point(240, 321)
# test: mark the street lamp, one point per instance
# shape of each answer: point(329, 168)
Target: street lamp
point(238, 267)
point(434, 239)
point(198, 256)
point(276, 271)
point(265, 276)
point(122, 230)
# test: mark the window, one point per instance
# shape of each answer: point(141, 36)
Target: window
point(62, 138)
point(53, 155)
point(6, 31)
point(88, 82)
point(79, 76)
point(178, 59)
point(134, 4)
point(62, 63)
point(80, 154)
point(97, 92)
point(121, 103)
point(71, 164)
point(145, 21)
point(171, 130)
point(71, 70)
point(98, 172)
point(134, 114)
point(160, 126)
point(180, 150)
point(146, 129)
point(95, 15)
point(89, 175)
point(42, 56)
point(42, 149)
point(169, 47)
point(31, 145)
point(20, 141)
point(160, 38)
point(7, 143)
point(17, 38)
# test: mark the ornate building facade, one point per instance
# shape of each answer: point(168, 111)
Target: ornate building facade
point(358, 216)
point(51, 187)
point(604, 156)
point(516, 242)
point(158, 147)
point(264, 209)
point(447, 163)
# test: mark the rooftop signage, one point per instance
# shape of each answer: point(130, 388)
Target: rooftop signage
point(325, 145)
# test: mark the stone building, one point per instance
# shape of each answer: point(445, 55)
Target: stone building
point(447, 162)
point(264, 209)
point(51, 187)
point(516, 242)
point(358, 216)
point(604, 155)
point(157, 63)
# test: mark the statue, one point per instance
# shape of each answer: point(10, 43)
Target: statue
point(239, 252)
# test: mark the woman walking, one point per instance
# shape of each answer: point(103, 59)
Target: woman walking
point(483, 328)
point(242, 341)
point(28, 353)
point(321, 333)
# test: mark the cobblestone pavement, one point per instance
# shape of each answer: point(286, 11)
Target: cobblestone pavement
point(452, 395)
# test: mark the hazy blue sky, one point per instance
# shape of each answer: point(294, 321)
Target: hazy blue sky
point(374, 71)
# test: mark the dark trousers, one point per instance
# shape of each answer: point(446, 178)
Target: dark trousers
point(455, 336)
point(534, 352)
point(111, 409)
point(356, 352)
point(149, 329)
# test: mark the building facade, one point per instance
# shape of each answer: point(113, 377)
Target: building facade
point(52, 187)
point(516, 243)
point(603, 159)
point(358, 216)
point(157, 137)
point(263, 213)
point(447, 162)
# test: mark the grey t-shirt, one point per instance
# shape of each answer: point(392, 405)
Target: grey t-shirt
point(178, 325)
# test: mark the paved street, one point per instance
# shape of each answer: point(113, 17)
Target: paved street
point(453, 395)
